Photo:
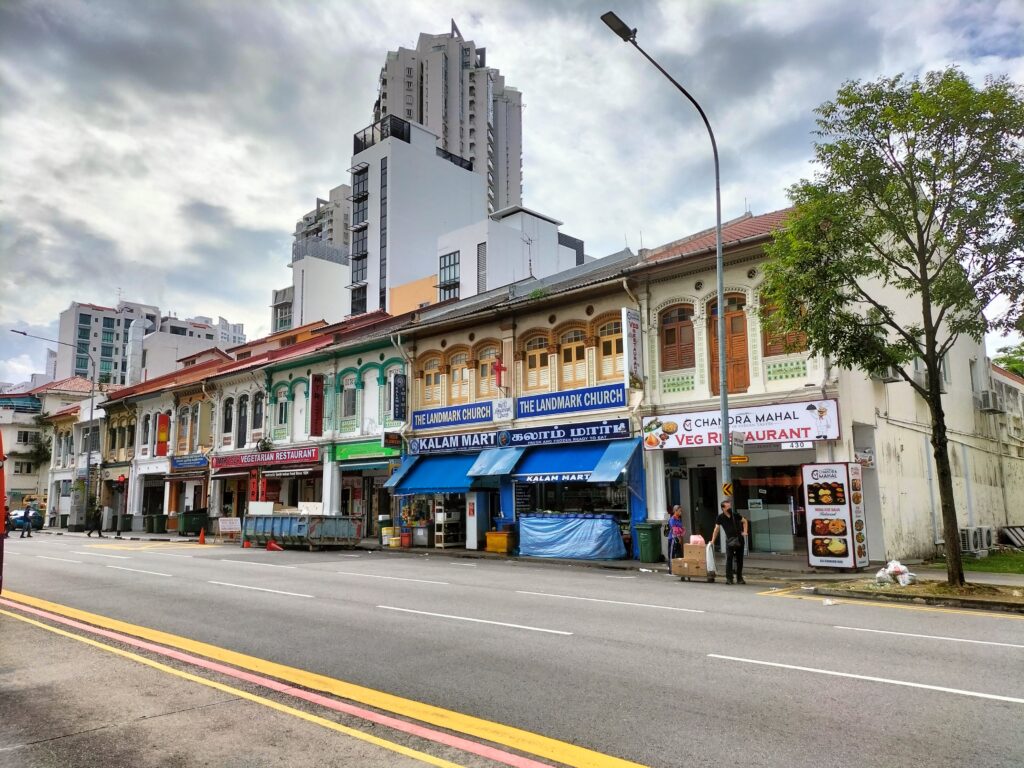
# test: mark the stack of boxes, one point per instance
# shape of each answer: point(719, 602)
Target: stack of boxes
point(693, 563)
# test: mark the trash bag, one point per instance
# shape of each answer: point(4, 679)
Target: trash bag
point(906, 579)
point(883, 577)
point(895, 568)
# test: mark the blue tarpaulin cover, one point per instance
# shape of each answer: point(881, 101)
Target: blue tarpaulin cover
point(615, 458)
point(438, 474)
point(407, 464)
point(578, 537)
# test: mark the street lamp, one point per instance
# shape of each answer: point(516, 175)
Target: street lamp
point(620, 28)
point(92, 402)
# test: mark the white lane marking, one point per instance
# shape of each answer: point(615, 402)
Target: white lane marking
point(613, 602)
point(62, 559)
point(15, 553)
point(136, 570)
point(258, 589)
point(931, 637)
point(164, 554)
point(476, 621)
point(466, 565)
point(249, 562)
point(349, 555)
point(869, 678)
point(390, 578)
point(97, 554)
point(620, 577)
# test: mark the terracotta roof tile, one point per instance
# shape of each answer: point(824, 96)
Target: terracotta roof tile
point(1008, 374)
point(744, 228)
point(70, 384)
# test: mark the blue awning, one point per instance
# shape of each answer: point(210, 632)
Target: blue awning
point(560, 463)
point(402, 471)
point(437, 474)
point(496, 461)
point(615, 458)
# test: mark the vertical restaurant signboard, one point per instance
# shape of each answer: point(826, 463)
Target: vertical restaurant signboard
point(834, 499)
point(633, 354)
point(163, 434)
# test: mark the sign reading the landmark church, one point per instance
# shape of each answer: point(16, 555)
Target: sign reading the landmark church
point(571, 401)
point(452, 415)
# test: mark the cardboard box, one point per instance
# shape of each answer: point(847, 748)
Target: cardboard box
point(693, 552)
point(684, 566)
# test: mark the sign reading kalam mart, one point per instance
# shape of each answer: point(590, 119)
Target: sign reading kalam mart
point(283, 456)
point(613, 429)
point(808, 420)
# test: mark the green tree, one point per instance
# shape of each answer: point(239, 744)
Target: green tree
point(908, 231)
point(1012, 359)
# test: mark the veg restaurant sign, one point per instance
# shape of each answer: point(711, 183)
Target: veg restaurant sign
point(808, 420)
point(284, 456)
point(571, 401)
point(452, 415)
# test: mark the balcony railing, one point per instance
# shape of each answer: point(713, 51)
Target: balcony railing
point(388, 127)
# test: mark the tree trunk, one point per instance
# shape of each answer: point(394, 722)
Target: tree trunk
point(940, 447)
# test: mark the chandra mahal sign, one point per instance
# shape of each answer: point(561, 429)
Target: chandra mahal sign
point(807, 420)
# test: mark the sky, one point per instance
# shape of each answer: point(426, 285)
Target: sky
point(162, 151)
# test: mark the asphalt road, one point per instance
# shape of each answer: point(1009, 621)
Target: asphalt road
point(636, 665)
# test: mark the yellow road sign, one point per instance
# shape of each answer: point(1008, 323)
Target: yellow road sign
point(739, 459)
point(727, 489)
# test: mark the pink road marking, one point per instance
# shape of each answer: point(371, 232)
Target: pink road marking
point(466, 745)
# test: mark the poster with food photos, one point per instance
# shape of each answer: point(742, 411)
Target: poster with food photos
point(860, 537)
point(830, 528)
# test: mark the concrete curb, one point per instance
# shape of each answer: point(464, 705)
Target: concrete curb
point(179, 540)
point(945, 602)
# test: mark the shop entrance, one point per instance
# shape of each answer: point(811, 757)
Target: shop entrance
point(703, 500)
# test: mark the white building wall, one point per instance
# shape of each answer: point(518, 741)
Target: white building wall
point(319, 291)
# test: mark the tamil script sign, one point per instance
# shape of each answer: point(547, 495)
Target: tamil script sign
point(452, 415)
point(612, 429)
point(805, 421)
point(571, 401)
point(633, 355)
point(283, 456)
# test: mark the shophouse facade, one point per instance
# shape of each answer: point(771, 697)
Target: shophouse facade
point(520, 410)
point(796, 409)
point(61, 478)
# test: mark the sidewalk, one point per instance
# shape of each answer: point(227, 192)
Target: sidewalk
point(782, 567)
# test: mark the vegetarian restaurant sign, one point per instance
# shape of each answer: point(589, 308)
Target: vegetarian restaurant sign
point(283, 456)
point(782, 422)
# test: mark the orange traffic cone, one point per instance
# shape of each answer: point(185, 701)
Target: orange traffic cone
point(202, 535)
point(273, 546)
point(246, 544)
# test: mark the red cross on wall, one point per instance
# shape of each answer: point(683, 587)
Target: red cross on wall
point(498, 370)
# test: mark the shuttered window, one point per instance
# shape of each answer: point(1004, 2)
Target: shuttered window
point(536, 375)
point(485, 372)
point(609, 347)
point(677, 347)
point(782, 343)
point(458, 378)
point(431, 393)
point(574, 359)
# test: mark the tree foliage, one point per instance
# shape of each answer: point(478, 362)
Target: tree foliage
point(910, 229)
point(1012, 359)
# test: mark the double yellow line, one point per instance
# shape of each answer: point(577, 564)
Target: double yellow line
point(514, 738)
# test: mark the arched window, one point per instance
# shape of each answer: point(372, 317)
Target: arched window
point(194, 429)
point(458, 378)
point(243, 421)
point(228, 421)
point(348, 397)
point(431, 394)
point(257, 412)
point(535, 363)
point(485, 384)
point(145, 430)
point(282, 412)
point(131, 435)
point(181, 445)
point(677, 345)
point(574, 359)
point(609, 351)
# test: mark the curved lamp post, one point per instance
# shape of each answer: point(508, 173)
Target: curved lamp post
point(92, 402)
point(620, 28)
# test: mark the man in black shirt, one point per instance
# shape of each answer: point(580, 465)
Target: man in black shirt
point(734, 527)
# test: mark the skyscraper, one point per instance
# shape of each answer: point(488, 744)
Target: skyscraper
point(445, 85)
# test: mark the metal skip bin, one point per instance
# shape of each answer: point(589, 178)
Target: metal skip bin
point(312, 531)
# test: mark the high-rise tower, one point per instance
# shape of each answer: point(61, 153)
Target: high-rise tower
point(445, 85)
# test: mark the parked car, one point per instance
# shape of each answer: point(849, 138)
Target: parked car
point(18, 519)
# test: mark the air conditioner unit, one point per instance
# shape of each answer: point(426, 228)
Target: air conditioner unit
point(970, 539)
point(989, 402)
point(887, 375)
point(988, 536)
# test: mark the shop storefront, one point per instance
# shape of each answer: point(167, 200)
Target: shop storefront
point(684, 448)
point(187, 485)
point(572, 489)
point(362, 469)
point(285, 478)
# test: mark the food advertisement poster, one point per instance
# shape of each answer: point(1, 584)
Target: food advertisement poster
point(807, 420)
point(830, 529)
point(860, 535)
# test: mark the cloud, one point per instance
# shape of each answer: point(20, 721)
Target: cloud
point(162, 151)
